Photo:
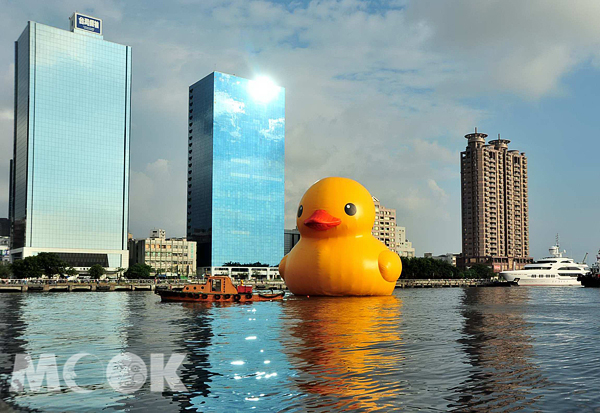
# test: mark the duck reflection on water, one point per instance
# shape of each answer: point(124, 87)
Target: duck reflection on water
point(337, 345)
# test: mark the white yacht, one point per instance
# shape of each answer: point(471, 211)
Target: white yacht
point(554, 270)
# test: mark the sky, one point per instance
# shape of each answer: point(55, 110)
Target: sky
point(382, 92)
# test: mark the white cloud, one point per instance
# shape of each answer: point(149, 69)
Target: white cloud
point(510, 45)
point(228, 105)
point(375, 95)
point(154, 200)
point(437, 191)
point(275, 129)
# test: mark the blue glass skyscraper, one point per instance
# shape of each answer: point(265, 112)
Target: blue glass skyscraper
point(236, 170)
point(70, 170)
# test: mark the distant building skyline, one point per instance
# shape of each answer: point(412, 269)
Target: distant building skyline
point(69, 185)
point(495, 207)
point(235, 183)
point(291, 238)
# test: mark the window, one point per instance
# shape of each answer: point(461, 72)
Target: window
point(216, 285)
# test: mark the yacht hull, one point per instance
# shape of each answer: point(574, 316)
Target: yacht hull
point(524, 280)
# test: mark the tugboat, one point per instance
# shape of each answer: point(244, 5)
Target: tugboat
point(217, 289)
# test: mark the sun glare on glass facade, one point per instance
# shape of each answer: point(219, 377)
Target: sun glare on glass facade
point(70, 177)
point(236, 170)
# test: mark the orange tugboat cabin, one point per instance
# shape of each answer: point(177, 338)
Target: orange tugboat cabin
point(217, 285)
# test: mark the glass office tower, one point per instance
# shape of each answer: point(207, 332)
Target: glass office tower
point(236, 170)
point(70, 171)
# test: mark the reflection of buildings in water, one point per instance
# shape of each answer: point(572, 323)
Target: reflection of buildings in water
point(128, 322)
point(11, 342)
point(498, 346)
point(182, 329)
point(338, 344)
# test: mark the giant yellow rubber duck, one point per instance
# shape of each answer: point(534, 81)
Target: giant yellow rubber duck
point(336, 254)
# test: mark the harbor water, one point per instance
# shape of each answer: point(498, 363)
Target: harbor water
point(451, 349)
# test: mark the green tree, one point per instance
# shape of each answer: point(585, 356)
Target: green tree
point(120, 272)
point(426, 268)
point(137, 271)
point(96, 271)
point(246, 264)
point(27, 268)
point(232, 264)
point(50, 263)
point(482, 271)
point(71, 272)
point(5, 270)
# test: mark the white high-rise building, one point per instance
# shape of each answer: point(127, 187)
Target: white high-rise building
point(384, 228)
point(69, 185)
point(404, 247)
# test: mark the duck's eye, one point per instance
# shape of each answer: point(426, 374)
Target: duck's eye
point(350, 209)
point(300, 209)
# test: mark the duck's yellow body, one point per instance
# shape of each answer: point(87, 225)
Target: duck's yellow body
point(336, 254)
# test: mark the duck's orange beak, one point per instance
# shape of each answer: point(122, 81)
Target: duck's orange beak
point(321, 220)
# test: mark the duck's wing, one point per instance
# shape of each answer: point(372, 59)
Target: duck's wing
point(390, 265)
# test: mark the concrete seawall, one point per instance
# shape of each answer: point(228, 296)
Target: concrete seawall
point(451, 283)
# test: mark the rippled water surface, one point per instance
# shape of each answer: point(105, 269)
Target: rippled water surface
point(475, 349)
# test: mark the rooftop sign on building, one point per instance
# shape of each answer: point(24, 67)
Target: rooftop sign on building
point(86, 23)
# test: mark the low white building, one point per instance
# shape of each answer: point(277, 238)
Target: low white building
point(169, 256)
point(404, 247)
point(242, 273)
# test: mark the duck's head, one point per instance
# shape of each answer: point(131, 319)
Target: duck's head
point(335, 207)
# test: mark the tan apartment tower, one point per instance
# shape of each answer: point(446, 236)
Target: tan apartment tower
point(384, 228)
point(495, 212)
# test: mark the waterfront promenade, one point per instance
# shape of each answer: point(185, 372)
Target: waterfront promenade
point(68, 286)
point(151, 284)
